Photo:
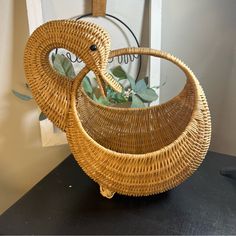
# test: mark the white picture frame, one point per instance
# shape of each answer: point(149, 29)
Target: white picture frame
point(155, 22)
point(50, 135)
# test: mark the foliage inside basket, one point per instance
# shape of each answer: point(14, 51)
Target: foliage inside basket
point(134, 94)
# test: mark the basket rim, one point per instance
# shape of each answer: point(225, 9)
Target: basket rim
point(123, 51)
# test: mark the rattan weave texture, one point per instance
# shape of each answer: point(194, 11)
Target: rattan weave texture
point(135, 152)
point(52, 91)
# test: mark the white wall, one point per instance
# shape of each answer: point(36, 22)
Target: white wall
point(61, 9)
point(23, 162)
point(203, 34)
point(134, 13)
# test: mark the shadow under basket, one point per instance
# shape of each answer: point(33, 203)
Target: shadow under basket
point(133, 151)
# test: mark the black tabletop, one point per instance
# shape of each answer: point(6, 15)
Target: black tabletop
point(67, 202)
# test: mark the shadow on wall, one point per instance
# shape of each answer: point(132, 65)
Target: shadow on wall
point(23, 162)
point(202, 33)
point(221, 97)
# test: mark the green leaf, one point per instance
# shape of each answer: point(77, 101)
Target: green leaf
point(148, 95)
point(119, 72)
point(120, 98)
point(136, 102)
point(87, 85)
point(95, 98)
point(131, 81)
point(42, 116)
point(114, 97)
point(63, 66)
point(140, 85)
point(53, 57)
point(103, 101)
point(21, 96)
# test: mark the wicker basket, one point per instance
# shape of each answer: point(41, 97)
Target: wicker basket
point(135, 152)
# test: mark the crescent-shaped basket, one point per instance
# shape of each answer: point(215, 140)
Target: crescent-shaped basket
point(135, 152)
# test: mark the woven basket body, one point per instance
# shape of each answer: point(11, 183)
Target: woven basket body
point(135, 152)
point(142, 151)
point(137, 131)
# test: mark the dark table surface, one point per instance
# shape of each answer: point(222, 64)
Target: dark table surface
point(67, 202)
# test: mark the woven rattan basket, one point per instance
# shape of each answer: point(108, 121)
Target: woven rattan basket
point(135, 152)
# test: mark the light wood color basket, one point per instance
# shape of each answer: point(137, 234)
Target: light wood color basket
point(133, 151)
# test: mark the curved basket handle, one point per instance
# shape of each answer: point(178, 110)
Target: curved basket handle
point(155, 53)
point(141, 51)
point(52, 91)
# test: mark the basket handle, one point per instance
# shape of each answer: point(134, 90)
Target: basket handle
point(126, 51)
point(155, 53)
point(139, 51)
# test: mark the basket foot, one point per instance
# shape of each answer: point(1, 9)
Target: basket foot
point(106, 192)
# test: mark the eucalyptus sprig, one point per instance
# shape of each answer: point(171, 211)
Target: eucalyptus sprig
point(138, 91)
point(135, 95)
